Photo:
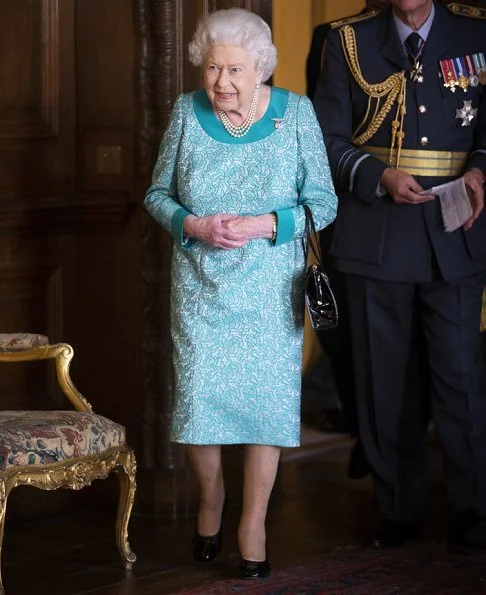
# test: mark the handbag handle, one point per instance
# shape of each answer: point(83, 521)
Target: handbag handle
point(308, 239)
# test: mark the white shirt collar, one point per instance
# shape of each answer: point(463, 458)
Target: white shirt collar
point(404, 30)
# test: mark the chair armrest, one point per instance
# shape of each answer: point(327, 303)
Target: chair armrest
point(63, 354)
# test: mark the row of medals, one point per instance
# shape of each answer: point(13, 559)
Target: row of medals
point(463, 82)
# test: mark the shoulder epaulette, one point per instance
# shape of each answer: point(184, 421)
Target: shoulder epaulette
point(467, 11)
point(354, 19)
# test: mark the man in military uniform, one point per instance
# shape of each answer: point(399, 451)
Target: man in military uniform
point(402, 104)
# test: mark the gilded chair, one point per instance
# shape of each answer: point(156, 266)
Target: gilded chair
point(62, 449)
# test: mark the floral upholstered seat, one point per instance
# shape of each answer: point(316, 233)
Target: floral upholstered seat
point(43, 437)
point(62, 449)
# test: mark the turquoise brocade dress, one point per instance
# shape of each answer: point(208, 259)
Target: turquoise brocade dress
point(237, 315)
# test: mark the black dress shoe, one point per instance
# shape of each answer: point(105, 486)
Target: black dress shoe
point(358, 463)
point(206, 548)
point(254, 570)
point(467, 535)
point(393, 533)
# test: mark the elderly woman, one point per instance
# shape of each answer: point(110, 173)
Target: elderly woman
point(237, 162)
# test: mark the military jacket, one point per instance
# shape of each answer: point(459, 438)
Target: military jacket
point(373, 235)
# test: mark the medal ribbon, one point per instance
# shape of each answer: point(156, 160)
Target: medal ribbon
point(448, 73)
point(470, 69)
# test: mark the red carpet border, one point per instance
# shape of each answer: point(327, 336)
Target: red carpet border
point(424, 569)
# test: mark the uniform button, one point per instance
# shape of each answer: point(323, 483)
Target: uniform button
point(424, 141)
point(422, 109)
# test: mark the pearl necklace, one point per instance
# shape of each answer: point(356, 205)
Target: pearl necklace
point(239, 131)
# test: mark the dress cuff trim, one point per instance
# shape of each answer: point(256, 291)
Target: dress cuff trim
point(285, 227)
point(177, 228)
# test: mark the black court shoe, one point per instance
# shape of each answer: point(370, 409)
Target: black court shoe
point(254, 570)
point(206, 548)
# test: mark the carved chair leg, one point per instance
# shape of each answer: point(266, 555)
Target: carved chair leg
point(125, 471)
point(4, 492)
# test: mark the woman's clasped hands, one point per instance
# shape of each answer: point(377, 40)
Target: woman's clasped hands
point(228, 231)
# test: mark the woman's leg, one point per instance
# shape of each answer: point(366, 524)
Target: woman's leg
point(206, 462)
point(260, 469)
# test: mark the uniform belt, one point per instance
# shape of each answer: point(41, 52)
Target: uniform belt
point(420, 162)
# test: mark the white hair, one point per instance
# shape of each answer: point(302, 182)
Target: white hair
point(236, 27)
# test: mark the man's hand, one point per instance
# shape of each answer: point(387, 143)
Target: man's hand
point(403, 188)
point(474, 179)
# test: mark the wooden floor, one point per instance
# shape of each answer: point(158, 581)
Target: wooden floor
point(314, 507)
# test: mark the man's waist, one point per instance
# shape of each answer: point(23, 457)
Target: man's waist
point(423, 162)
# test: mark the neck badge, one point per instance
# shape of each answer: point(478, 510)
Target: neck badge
point(416, 74)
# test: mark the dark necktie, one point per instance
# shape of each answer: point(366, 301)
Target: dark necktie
point(413, 44)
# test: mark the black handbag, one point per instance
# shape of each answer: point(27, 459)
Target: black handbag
point(319, 298)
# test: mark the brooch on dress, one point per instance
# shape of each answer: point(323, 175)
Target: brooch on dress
point(279, 122)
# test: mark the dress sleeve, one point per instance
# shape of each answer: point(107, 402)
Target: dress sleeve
point(161, 199)
point(314, 183)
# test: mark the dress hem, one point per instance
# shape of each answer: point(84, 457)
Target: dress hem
point(261, 443)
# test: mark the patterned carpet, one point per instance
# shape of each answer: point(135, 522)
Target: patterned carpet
point(419, 570)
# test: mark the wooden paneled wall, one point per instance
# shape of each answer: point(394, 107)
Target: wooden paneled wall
point(69, 224)
point(37, 181)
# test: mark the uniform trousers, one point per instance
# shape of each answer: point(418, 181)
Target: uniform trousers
point(392, 408)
